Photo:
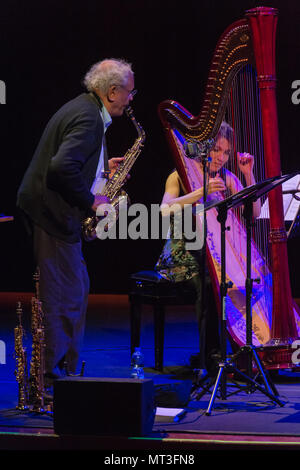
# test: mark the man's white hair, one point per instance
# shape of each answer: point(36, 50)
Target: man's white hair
point(106, 73)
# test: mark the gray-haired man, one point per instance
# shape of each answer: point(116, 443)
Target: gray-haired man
point(58, 191)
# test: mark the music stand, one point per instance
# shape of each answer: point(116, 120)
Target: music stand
point(246, 197)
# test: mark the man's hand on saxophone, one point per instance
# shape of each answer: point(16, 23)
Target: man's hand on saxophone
point(113, 164)
point(99, 199)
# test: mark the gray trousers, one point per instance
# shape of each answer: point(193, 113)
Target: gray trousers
point(64, 288)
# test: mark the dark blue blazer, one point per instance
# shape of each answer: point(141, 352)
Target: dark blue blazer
point(55, 191)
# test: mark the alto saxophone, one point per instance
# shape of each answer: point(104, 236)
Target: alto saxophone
point(112, 189)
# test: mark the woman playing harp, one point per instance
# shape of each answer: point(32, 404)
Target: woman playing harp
point(183, 266)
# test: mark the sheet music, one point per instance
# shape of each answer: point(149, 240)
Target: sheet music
point(290, 204)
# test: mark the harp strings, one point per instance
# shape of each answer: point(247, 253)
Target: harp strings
point(244, 116)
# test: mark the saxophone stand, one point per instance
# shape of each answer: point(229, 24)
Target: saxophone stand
point(246, 197)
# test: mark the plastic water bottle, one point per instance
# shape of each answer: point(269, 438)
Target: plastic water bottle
point(137, 364)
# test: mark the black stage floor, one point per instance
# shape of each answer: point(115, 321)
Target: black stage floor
point(244, 420)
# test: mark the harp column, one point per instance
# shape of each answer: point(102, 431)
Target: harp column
point(263, 23)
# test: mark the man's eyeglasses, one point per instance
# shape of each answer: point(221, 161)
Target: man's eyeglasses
point(132, 93)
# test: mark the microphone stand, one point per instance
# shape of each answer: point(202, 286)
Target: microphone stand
point(205, 164)
point(205, 160)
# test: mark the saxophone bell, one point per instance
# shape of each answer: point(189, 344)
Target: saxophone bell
point(89, 225)
point(89, 228)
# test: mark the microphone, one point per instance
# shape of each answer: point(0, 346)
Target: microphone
point(191, 149)
point(198, 149)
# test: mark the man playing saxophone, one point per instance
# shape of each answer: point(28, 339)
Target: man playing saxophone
point(58, 191)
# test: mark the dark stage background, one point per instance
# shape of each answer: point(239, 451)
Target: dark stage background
point(46, 48)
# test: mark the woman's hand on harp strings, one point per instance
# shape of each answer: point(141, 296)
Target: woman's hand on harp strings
point(172, 202)
point(245, 163)
point(215, 184)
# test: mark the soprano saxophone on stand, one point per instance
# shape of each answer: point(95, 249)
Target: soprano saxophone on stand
point(112, 189)
point(37, 363)
point(21, 362)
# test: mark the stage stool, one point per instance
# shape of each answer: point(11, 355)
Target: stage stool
point(149, 287)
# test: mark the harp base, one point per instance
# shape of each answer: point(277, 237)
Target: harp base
point(279, 354)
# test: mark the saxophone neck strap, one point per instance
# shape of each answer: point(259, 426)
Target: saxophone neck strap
point(106, 170)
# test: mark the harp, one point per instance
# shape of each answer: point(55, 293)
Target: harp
point(241, 89)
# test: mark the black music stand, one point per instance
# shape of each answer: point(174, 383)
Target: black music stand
point(246, 197)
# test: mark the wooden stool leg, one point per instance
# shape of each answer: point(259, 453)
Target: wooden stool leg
point(159, 328)
point(135, 323)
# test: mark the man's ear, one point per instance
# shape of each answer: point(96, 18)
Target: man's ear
point(111, 93)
